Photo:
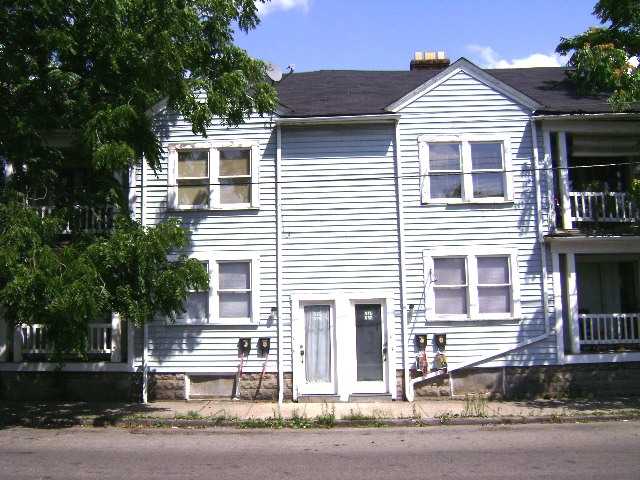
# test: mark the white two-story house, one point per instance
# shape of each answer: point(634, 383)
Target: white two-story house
point(378, 223)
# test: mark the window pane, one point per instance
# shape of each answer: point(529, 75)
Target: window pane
point(235, 161)
point(193, 163)
point(196, 308)
point(488, 185)
point(235, 305)
point(444, 156)
point(493, 270)
point(235, 191)
point(235, 275)
point(193, 195)
point(494, 299)
point(486, 155)
point(446, 186)
point(451, 300)
point(450, 271)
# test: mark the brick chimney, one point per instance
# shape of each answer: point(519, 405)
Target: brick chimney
point(429, 61)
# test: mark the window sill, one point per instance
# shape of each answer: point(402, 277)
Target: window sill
point(477, 201)
point(239, 322)
point(234, 208)
point(482, 318)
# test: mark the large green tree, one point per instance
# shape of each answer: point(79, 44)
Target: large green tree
point(601, 54)
point(77, 80)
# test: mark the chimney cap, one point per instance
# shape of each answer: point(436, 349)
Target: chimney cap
point(429, 60)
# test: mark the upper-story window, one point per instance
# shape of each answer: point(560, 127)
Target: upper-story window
point(465, 168)
point(213, 176)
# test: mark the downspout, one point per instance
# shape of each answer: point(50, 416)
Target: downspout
point(540, 226)
point(543, 283)
point(145, 333)
point(408, 390)
point(279, 316)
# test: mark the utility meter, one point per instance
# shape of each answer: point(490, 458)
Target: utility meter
point(264, 343)
point(244, 346)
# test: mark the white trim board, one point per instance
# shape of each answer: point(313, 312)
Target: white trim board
point(464, 65)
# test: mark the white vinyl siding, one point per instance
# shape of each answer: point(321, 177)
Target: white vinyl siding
point(464, 106)
point(339, 224)
point(219, 234)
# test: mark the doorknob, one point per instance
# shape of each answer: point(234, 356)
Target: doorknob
point(302, 352)
point(384, 352)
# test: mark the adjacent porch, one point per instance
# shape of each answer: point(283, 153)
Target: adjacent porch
point(104, 344)
point(592, 177)
point(603, 303)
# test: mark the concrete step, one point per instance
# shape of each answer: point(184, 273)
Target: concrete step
point(318, 398)
point(369, 398)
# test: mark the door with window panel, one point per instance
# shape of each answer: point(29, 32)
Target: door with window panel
point(371, 349)
point(314, 350)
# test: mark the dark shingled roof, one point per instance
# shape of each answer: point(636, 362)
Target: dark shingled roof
point(359, 92)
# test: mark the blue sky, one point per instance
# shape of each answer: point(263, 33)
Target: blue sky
point(383, 34)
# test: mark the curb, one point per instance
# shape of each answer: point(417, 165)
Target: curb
point(387, 422)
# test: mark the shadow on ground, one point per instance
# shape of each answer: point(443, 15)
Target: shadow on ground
point(68, 414)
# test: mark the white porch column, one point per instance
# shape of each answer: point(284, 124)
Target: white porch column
point(3, 340)
point(131, 354)
point(17, 345)
point(565, 185)
point(572, 301)
point(116, 338)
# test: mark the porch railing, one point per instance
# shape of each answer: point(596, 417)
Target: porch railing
point(609, 328)
point(34, 341)
point(602, 207)
point(85, 219)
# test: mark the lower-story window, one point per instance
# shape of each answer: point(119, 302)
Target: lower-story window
point(468, 285)
point(233, 295)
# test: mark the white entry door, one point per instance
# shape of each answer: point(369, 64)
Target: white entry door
point(314, 349)
point(370, 349)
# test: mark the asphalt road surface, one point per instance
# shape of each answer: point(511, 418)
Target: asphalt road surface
point(580, 451)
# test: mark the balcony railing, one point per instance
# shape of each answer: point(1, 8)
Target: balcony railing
point(609, 328)
point(33, 340)
point(85, 219)
point(612, 207)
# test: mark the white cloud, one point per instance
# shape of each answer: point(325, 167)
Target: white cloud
point(274, 5)
point(489, 58)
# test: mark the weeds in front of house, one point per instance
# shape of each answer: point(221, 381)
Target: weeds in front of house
point(298, 420)
point(475, 405)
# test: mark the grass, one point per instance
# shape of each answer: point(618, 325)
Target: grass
point(475, 405)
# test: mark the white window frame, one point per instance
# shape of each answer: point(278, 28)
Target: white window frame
point(471, 255)
point(214, 279)
point(214, 175)
point(465, 141)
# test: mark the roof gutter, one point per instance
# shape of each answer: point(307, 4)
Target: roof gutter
point(589, 116)
point(375, 118)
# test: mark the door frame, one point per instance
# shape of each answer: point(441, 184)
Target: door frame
point(344, 302)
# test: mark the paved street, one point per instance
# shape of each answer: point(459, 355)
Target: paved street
point(584, 451)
